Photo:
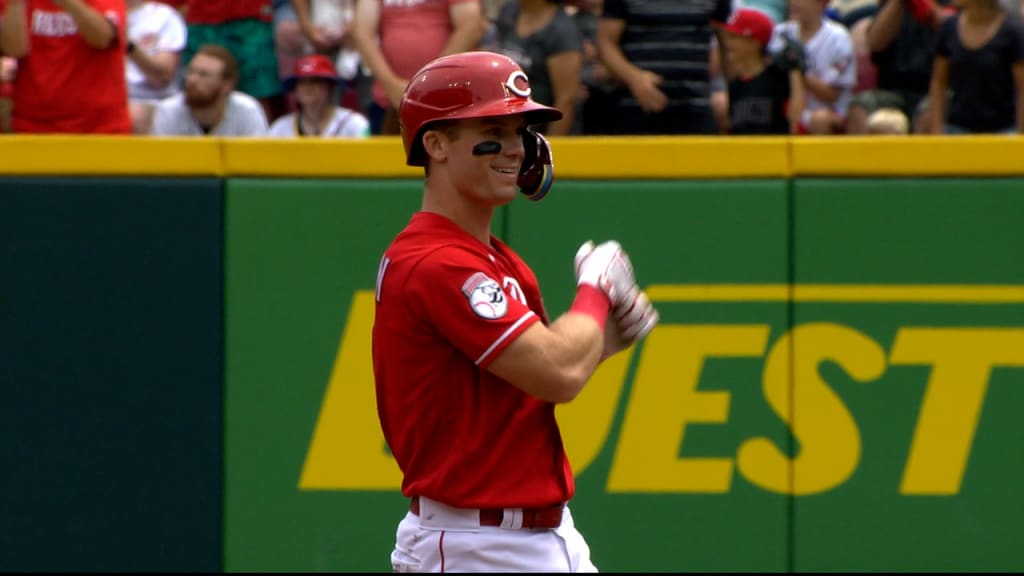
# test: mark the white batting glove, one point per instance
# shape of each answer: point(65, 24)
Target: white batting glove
point(607, 268)
point(637, 317)
point(631, 322)
point(634, 316)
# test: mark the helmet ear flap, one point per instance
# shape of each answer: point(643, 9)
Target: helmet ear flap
point(538, 170)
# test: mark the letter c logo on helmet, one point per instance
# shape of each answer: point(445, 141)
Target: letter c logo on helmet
point(465, 85)
point(519, 84)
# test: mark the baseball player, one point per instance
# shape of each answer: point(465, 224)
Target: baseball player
point(468, 367)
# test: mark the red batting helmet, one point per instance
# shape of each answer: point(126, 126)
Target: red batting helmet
point(465, 85)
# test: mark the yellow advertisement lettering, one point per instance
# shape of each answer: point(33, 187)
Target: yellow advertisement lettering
point(829, 447)
point(664, 399)
point(348, 451)
point(962, 360)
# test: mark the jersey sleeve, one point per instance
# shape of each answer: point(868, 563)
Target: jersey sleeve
point(842, 70)
point(462, 296)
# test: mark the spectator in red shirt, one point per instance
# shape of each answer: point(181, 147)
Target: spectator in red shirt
point(395, 39)
point(70, 65)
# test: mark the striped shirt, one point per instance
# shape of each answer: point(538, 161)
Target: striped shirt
point(671, 38)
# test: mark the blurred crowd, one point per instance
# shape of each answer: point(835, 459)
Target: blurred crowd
point(338, 68)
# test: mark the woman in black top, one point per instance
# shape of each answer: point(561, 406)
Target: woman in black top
point(545, 41)
point(979, 59)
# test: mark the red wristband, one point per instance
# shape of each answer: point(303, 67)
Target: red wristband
point(593, 302)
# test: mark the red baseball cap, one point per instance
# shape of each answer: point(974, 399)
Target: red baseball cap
point(312, 66)
point(751, 24)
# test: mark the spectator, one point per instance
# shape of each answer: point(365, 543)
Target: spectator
point(598, 103)
point(546, 43)
point(313, 81)
point(246, 29)
point(900, 38)
point(831, 71)
point(325, 24)
point(395, 39)
point(867, 76)
point(661, 50)
point(209, 104)
point(856, 16)
point(327, 28)
point(888, 121)
point(8, 68)
point(774, 9)
point(490, 8)
point(70, 65)
point(289, 44)
point(979, 58)
point(156, 37)
point(764, 96)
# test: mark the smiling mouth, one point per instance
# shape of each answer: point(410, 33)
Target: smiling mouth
point(509, 171)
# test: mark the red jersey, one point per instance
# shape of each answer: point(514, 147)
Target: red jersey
point(220, 11)
point(63, 84)
point(446, 307)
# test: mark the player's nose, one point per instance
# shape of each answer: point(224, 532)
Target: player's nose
point(513, 146)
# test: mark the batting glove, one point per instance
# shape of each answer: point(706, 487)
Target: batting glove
point(607, 268)
point(637, 317)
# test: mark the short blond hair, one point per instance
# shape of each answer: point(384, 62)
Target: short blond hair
point(888, 121)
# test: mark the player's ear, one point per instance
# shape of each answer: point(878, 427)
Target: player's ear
point(435, 144)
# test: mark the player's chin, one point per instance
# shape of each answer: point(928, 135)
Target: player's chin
point(504, 189)
point(500, 197)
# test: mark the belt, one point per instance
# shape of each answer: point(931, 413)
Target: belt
point(546, 517)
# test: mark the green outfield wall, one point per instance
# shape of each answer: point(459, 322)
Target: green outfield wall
point(110, 373)
point(187, 384)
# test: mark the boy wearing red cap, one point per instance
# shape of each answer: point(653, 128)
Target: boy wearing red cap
point(765, 95)
point(313, 81)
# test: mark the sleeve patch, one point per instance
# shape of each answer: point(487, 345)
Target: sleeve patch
point(485, 296)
